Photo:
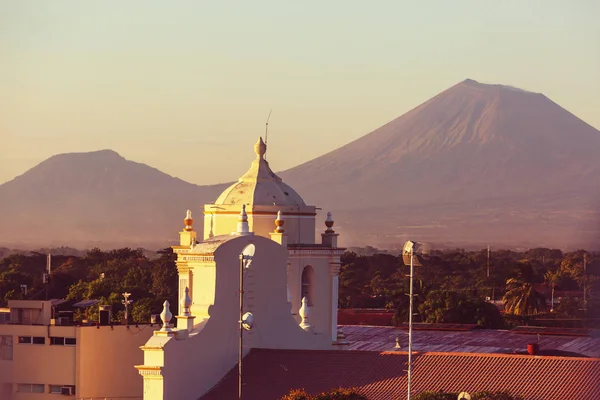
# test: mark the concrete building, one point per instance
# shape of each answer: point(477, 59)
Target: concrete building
point(42, 360)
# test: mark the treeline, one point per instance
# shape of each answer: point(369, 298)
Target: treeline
point(454, 286)
point(97, 274)
point(458, 286)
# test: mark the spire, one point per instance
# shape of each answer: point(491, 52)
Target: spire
point(329, 223)
point(304, 314)
point(279, 223)
point(166, 316)
point(188, 221)
point(260, 148)
point(242, 225)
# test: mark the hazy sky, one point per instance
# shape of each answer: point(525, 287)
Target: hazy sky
point(186, 86)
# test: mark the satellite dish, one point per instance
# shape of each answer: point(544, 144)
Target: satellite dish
point(247, 255)
point(248, 321)
point(420, 252)
point(464, 396)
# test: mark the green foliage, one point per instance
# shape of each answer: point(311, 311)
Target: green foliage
point(461, 308)
point(95, 275)
point(474, 396)
point(494, 396)
point(521, 298)
point(569, 307)
point(455, 285)
point(435, 396)
point(335, 394)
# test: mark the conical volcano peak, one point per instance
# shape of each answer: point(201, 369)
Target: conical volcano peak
point(491, 86)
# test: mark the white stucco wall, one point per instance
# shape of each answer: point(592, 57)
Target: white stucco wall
point(192, 366)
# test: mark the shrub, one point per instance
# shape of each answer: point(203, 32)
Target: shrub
point(335, 394)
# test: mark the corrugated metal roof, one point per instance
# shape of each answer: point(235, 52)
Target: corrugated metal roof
point(86, 303)
point(57, 302)
point(383, 338)
point(270, 374)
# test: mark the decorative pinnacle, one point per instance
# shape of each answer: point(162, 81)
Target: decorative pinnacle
point(304, 312)
point(329, 223)
point(243, 216)
point(242, 225)
point(279, 223)
point(260, 148)
point(187, 302)
point(166, 316)
point(188, 221)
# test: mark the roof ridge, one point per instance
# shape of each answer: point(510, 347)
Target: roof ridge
point(492, 355)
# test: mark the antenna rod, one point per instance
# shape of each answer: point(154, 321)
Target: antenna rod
point(267, 129)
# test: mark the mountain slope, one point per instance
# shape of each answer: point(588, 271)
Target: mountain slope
point(479, 152)
point(96, 198)
point(476, 164)
point(472, 141)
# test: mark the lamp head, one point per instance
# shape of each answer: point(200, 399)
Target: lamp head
point(420, 252)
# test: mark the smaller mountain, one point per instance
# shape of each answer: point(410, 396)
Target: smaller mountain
point(96, 198)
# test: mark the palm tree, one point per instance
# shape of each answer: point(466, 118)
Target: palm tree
point(521, 298)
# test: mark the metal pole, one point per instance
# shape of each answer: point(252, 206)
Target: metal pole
point(410, 317)
point(584, 285)
point(488, 261)
point(241, 327)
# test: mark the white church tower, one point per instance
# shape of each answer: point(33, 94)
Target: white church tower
point(289, 286)
point(313, 268)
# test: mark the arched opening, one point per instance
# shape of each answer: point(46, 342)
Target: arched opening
point(308, 287)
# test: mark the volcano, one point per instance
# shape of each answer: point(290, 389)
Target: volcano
point(477, 163)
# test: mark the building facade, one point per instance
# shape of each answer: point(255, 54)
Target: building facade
point(42, 360)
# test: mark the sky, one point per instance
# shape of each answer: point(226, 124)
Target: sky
point(187, 86)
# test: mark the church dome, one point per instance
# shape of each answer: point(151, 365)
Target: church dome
point(260, 185)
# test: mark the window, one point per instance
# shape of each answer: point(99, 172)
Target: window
point(30, 388)
point(32, 340)
point(307, 284)
point(55, 389)
point(62, 389)
point(38, 340)
point(6, 347)
point(62, 341)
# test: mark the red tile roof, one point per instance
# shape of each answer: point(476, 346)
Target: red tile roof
point(270, 374)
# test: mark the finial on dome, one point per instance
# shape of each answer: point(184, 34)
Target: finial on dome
point(279, 223)
point(260, 148)
point(329, 223)
point(188, 221)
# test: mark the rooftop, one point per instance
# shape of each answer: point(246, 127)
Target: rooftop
point(485, 341)
point(260, 185)
point(270, 374)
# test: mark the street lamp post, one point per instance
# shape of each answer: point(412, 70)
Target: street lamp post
point(409, 252)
